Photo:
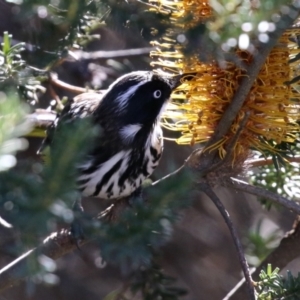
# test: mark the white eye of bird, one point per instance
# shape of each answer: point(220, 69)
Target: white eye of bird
point(157, 94)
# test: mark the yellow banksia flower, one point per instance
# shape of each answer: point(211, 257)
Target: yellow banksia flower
point(198, 104)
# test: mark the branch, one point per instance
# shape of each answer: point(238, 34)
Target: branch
point(288, 250)
point(54, 246)
point(210, 193)
point(261, 192)
point(53, 79)
point(260, 162)
point(53, 94)
point(177, 170)
point(83, 55)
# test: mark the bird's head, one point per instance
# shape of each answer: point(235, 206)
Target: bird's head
point(136, 100)
point(139, 96)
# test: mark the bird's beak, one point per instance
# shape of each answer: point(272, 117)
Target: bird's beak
point(176, 81)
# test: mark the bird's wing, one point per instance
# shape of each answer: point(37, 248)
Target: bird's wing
point(79, 107)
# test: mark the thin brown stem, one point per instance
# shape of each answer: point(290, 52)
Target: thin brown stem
point(287, 251)
point(56, 98)
point(169, 175)
point(260, 162)
point(204, 187)
point(54, 246)
point(261, 192)
point(68, 87)
point(82, 55)
point(177, 170)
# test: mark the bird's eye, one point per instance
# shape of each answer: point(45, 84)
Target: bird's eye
point(157, 94)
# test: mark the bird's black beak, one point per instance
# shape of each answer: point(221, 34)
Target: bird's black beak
point(176, 81)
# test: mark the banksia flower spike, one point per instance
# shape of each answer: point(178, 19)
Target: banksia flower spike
point(198, 104)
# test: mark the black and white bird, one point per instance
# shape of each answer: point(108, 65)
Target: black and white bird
point(131, 143)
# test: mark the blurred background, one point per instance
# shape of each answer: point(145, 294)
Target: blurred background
point(199, 252)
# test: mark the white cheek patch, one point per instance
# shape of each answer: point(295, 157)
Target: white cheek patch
point(128, 132)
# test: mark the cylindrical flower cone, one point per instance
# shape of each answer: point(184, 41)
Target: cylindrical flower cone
point(198, 105)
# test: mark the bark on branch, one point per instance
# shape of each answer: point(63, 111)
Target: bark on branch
point(288, 250)
point(54, 246)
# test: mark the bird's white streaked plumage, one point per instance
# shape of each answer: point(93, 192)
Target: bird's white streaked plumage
point(129, 145)
point(150, 162)
point(128, 132)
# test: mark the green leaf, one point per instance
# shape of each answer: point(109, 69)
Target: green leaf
point(6, 43)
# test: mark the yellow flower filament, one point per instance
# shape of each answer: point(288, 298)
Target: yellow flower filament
point(198, 104)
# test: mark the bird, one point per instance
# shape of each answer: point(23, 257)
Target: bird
point(130, 145)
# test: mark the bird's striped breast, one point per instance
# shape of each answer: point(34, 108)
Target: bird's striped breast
point(124, 171)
